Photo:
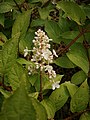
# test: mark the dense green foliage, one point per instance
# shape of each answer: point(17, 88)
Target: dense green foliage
point(67, 23)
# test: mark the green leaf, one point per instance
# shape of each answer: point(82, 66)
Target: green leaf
point(71, 88)
point(33, 78)
point(63, 24)
point(59, 96)
point(2, 19)
point(9, 53)
point(78, 77)
point(14, 76)
point(22, 61)
point(77, 54)
point(64, 62)
point(21, 23)
point(87, 10)
point(26, 41)
point(73, 11)
point(85, 116)
point(18, 106)
point(71, 35)
point(53, 30)
point(5, 7)
point(80, 99)
point(40, 110)
point(37, 22)
point(50, 108)
point(44, 12)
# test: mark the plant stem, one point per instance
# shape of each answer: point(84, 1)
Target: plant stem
point(77, 114)
point(73, 41)
point(17, 6)
point(40, 93)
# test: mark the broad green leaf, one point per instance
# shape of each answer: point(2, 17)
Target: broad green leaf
point(85, 116)
point(50, 108)
point(73, 11)
point(33, 78)
point(63, 24)
point(78, 77)
point(22, 61)
point(21, 23)
point(9, 53)
point(26, 41)
point(87, 10)
point(71, 35)
point(14, 76)
point(40, 110)
point(59, 96)
point(18, 106)
point(64, 62)
point(77, 54)
point(37, 22)
point(2, 19)
point(72, 88)
point(44, 12)
point(53, 30)
point(80, 99)
point(5, 7)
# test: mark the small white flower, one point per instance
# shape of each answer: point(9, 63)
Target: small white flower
point(47, 45)
point(30, 70)
point(53, 73)
point(46, 54)
point(29, 73)
point(53, 2)
point(11, 10)
point(26, 52)
point(54, 53)
point(37, 65)
point(48, 68)
point(55, 85)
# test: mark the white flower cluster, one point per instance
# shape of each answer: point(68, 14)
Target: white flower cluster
point(42, 56)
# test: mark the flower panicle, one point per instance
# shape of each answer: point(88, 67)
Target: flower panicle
point(42, 56)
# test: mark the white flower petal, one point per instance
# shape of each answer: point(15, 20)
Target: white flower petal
point(55, 85)
point(25, 54)
point(54, 52)
point(29, 73)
